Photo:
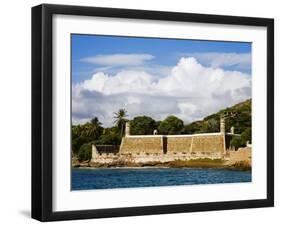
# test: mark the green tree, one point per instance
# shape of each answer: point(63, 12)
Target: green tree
point(120, 120)
point(110, 136)
point(171, 125)
point(241, 141)
point(85, 152)
point(76, 131)
point(82, 134)
point(213, 125)
point(78, 142)
point(191, 128)
point(92, 129)
point(142, 125)
point(208, 126)
point(236, 142)
point(246, 136)
point(96, 123)
point(241, 122)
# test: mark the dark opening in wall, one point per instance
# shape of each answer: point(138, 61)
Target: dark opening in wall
point(165, 145)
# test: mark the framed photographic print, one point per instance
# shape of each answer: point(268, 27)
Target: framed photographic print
point(145, 112)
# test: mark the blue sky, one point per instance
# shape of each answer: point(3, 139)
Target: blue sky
point(156, 77)
point(165, 51)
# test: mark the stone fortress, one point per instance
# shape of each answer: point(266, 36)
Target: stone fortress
point(168, 148)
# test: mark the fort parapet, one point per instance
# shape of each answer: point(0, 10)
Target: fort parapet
point(173, 144)
point(166, 148)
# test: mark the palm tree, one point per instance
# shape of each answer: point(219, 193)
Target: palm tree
point(76, 131)
point(120, 119)
point(92, 129)
point(88, 130)
point(96, 123)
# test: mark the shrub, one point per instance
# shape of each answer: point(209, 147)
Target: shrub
point(241, 141)
point(85, 152)
point(77, 143)
point(236, 142)
point(246, 136)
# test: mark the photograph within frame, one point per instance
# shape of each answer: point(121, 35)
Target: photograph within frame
point(185, 98)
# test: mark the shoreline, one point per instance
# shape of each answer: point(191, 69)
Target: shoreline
point(160, 167)
point(201, 163)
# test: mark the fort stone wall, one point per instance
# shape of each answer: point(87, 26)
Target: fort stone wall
point(161, 144)
point(208, 143)
point(161, 148)
point(242, 154)
point(179, 144)
point(141, 145)
point(166, 148)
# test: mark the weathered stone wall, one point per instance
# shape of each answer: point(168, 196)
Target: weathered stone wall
point(195, 144)
point(167, 148)
point(105, 158)
point(242, 154)
point(172, 144)
point(143, 158)
point(95, 154)
point(159, 148)
point(179, 144)
point(208, 143)
point(141, 145)
point(114, 149)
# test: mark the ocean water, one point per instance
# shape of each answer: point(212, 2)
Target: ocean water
point(85, 179)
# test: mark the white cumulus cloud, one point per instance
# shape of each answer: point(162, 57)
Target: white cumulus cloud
point(190, 91)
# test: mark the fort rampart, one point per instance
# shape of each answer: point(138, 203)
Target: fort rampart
point(168, 148)
point(161, 148)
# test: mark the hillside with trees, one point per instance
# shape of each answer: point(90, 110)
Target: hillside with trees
point(93, 132)
point(242, 122)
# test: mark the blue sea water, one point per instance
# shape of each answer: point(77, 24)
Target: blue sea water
point(85, 179)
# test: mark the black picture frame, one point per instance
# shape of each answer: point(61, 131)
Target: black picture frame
point(42, 111)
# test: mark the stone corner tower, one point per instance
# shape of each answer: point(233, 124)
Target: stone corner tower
point(127, 129)
point(222, 124)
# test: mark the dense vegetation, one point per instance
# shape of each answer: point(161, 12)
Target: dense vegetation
point(93, 132)
point(241, 121)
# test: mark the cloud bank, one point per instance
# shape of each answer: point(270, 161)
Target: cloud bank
point(190, 91)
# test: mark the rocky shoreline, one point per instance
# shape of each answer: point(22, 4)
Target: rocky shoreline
point(196, 163)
